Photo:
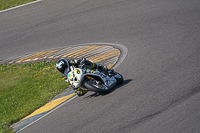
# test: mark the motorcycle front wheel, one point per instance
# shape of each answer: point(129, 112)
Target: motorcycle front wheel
point(119, 78)
point(95, 86)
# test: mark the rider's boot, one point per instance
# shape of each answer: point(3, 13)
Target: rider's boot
point(80, 92)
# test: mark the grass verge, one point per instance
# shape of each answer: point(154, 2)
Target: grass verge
point(5, 4)
point(24, 88)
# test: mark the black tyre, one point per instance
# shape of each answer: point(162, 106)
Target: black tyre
point(99, 88)
point(119, 78)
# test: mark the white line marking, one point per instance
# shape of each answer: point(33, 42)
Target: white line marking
point(20, 6)
point(48, 113)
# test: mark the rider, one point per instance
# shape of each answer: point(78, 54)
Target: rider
point(63, 66)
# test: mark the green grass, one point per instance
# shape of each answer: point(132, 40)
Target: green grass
point(5, 4)
point(24, 88)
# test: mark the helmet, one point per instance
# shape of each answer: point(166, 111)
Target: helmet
point(63, 66)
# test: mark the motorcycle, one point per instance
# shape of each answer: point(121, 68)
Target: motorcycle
point(93, 80)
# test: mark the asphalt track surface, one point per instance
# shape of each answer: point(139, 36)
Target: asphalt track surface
point(161, 70)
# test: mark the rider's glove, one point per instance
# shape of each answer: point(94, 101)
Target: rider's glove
point(105, 68)
point(87, 63)
point(102, 68)
point(83, 61)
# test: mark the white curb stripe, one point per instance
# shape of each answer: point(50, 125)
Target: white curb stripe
point(20, 6)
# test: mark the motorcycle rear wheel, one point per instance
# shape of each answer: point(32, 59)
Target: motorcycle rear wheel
point(99, 88)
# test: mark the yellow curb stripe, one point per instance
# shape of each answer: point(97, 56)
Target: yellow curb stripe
point(87, 50)
point(105, 56)
point(74, 52)
point(110, 66)
point(50, 105)
point(43, 53)
point(37, 55)
point(82, 52)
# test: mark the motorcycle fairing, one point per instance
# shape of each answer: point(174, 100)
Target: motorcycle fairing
point(77, 75)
